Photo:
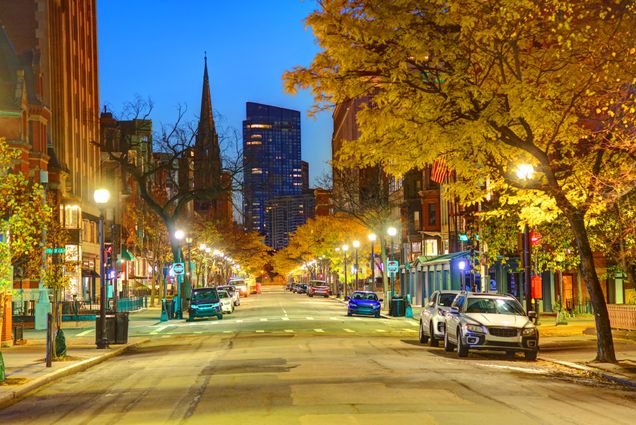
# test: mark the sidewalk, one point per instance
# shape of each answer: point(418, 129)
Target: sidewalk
point(25, 367)
point(574, 346)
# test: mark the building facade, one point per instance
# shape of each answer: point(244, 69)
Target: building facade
point(272, 170)
point(58, 41)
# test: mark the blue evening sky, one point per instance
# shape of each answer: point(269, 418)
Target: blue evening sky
point(154, 48)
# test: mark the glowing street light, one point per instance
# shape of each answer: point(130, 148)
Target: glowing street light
point(101, 197)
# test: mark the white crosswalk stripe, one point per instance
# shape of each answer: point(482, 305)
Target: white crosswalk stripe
point(319, 330)
point(159, 329)
point(309, 318)
point(289, 330)
point(260, 331)
point(349, 330)
point(284, 318)
point(263, 319)
point(380, 330)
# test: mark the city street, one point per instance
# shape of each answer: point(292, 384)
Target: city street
point(287, 358)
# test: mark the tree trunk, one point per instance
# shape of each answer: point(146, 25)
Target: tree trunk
point(604, 344)
point(153, 288)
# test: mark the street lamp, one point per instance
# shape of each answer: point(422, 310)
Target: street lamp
point(392, 231)
point(345, 248)
point(101, 197)
point(178, 311)
point(356, 245)
point(372, 238)
point(525, 172)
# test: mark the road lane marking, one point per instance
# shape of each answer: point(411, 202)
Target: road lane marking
point(349, 330)
point(319, 330)
point(227, 332)
point(335, 318)
point(159, 329)
point(263, 319)
point(198, 332)
point(380, 330)
point(165, 336)
point(239, 321)
point(260, 331)
point(289, 331)
point(284, 318)
point(357, 318)
point(86, 332)
point(515, 368)
point(309, 318)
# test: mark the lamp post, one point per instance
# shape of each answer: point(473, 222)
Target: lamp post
point(337, 291)
point(178, 311)
point(356, 245)
point(188, 289)
point(392, 231)
point(345, 248)
point(372, 238)
point(101, 197)
point(525, 172)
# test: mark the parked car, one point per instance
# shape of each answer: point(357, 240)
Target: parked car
point(301, 288)
point(365, 303)
point(319, 288)
point(433, 317)
point(204, 302)
point(242, 285)
point(289, 286)
point(234, 293)
point(490, 322)
point(227, 303)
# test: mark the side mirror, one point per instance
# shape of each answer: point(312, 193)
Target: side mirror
point(347, 298)
point(431, 304)
point(532, 314)
point(380, 299)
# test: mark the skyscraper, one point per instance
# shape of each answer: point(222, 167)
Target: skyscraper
point(272, 170)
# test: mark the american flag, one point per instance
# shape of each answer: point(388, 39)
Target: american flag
point(440, 171)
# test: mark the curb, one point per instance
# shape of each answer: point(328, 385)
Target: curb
point(13, 397)
point(593, 371)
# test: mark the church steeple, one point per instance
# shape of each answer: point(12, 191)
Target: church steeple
point(206, 120)
point(207, 155)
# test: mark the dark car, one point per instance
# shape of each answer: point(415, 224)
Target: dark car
point(364, 302)
point(318, 288)
point(204, 302)
point(301, 288)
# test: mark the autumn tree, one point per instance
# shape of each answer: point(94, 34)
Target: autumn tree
point(23, 217)
point(486, 87)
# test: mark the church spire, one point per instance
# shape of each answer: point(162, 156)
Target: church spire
point(206, 121)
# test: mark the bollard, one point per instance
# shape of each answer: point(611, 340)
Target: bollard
point(408, 312)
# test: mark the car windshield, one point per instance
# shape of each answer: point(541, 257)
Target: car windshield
point(445, 300)
point(223, 294)
point(229, 289)
point(362, 296)
point(494, 306)
point(205, 296)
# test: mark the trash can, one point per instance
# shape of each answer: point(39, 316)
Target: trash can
point(397, 307)
point(111, 326)
point(121, 328)
point(18, 333)
point(170, 309)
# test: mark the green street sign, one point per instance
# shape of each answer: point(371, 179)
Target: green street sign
point(55, 251)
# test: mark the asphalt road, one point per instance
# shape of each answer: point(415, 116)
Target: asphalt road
point(289, 359)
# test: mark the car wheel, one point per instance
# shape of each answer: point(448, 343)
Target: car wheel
point(447, 344)
point(433, 342)
point(510, 354)
point(348, 313)
point(219, 316)
point(377, 315)
point(531, 355)
point(462, 350)
point(326, 296)
point(423, 338)
point(311, 295)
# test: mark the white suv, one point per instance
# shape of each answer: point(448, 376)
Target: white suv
point(433, 317)
point(490, 322)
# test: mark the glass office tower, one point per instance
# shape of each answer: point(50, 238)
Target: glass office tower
point(271, 162)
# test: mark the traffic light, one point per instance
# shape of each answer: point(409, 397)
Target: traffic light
point(108, 254)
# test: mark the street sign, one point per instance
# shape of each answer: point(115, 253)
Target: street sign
point(392, 266)
point(178, 268)
point(55, 250)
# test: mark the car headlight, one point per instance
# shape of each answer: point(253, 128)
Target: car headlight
point(529, 331)
point(376, 306)
point(474, 328)
point(353, 305)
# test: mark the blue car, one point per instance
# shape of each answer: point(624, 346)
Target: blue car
point(205, 302)
point(364, 302)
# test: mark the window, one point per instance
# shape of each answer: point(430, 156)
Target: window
point(432, 215)
point(416, 220)
point(71, 215)
point(257, 171)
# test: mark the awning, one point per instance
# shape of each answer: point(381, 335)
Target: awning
point(126, 255)
point(89, 273)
